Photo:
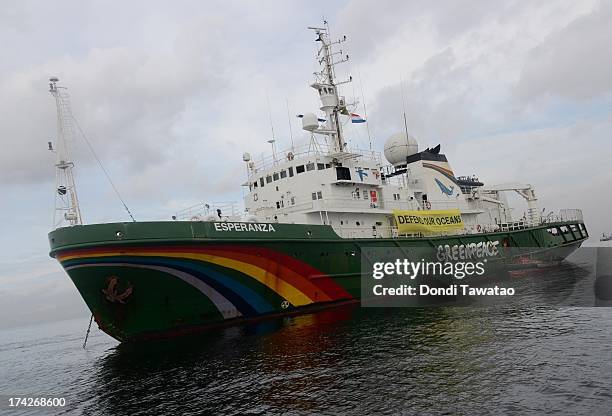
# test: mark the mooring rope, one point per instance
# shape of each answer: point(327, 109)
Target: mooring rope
point(88, 330)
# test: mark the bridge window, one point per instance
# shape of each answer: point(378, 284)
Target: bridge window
point(275, 176)
point(283, 174)
point(327, 165)
point(299, 169)
point(320, 166)
point(319, 195)
point(292, 200)
point(310, 166)
point(261, 182)
point(343, 174)
point(291, 171)
point(268, 179)
point(314, 196)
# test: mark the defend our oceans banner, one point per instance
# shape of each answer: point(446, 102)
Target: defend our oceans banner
point(428, 221)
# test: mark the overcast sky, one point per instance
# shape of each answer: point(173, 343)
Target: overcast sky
point(171, 95)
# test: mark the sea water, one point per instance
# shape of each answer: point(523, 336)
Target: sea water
point(521, 359)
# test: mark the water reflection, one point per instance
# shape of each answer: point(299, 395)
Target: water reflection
point(365, 360)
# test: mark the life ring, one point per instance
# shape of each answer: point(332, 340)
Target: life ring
point(427, 205)
point(290, 156)
point(478, 227)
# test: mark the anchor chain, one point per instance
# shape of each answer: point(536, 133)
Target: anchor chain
point(88, 330)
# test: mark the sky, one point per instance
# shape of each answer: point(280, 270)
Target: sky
point(171, 95)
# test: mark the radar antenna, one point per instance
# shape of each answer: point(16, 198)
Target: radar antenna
point(67, 209)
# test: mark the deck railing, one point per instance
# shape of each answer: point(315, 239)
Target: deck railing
point(563, 216)
point(208, 212)
point(309, 150)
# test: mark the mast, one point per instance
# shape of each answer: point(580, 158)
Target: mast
point(67, 209)
point(331, 103)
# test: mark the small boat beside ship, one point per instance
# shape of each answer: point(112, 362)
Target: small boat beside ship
point(309, 212)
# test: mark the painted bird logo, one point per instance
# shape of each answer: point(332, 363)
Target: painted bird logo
point(444, 189)
point(112, 294)
point(361, 173)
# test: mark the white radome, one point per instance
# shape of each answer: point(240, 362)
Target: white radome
point(398, 147)
point(310, 122)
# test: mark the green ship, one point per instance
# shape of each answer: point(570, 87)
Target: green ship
point(309, 213)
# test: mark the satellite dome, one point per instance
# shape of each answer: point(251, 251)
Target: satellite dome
point(398, 147)
point(310, 122)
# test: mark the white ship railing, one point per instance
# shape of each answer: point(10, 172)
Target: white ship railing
point(208, 211)
point(563, 216)
point(387, 232)
point(329, 204)
point(309, 150)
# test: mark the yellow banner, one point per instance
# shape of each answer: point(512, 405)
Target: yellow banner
point(409, 222)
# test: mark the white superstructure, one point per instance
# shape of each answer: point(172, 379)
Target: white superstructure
point(355, 191)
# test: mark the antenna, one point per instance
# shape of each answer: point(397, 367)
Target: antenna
point(365, 110)
point(271, 127)
point(67, 208)
point(290, 129)
point(404, 108)
point(272, 142)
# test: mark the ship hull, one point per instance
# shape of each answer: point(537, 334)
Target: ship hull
point(152, 280)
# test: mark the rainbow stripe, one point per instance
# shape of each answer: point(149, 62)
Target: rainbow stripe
point(444, 171)
point(230, 276)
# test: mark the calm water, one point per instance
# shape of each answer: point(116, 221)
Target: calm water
point(519, 360)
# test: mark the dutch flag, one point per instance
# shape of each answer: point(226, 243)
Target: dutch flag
point(356, 118)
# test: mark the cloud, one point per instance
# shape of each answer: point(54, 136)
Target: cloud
point(128, 102)
point(573, 62)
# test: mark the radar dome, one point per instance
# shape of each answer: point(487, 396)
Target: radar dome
point(310, 122)
point(398, 147)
